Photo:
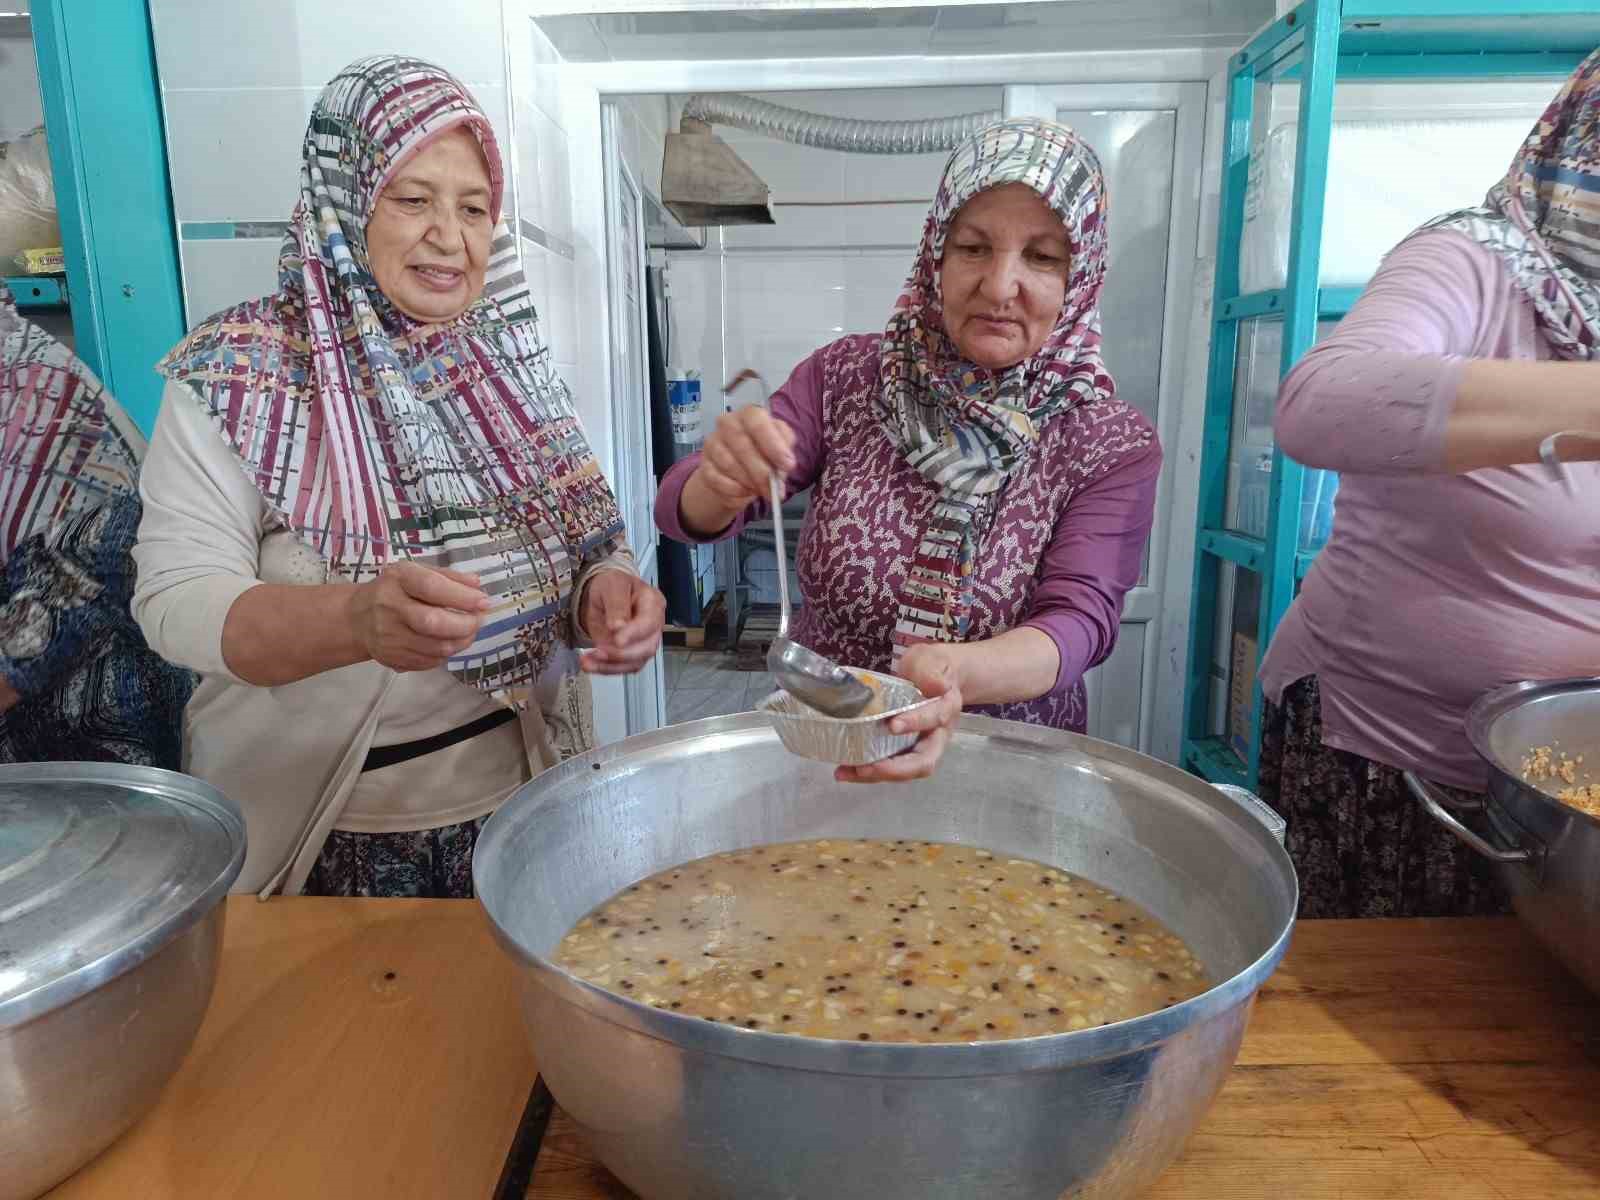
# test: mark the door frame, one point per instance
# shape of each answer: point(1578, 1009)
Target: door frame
point(645, 695)
point(1165, 591)
point(583, 88)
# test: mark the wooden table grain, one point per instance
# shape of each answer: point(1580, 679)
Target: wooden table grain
point(1423, 1060)
point(353, 1048)
point(375, 1049)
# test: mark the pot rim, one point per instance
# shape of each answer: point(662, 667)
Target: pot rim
point(89, 976)
point(901, 1060)
point(1492, 705)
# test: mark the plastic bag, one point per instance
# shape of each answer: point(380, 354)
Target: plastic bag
point(47, 260)
point(27, 197)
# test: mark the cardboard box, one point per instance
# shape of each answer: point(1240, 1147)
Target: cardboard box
point(1241, 694)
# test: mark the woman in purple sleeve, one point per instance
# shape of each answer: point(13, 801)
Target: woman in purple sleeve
point(980, 497)
point(1457, 564)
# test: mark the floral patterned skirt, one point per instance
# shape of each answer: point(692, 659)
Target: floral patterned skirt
point(428, 863)
point(1361, 844)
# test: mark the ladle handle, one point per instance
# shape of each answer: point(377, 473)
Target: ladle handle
point(776, 485)
point(1438, 805)
point(783, 557)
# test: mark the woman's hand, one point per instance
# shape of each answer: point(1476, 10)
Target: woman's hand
point(623, 616)
point(741, 454)
point(932, 666)
point(414, 618)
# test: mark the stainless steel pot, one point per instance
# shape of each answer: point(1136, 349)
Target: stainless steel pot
point(680, 1108)
point(1547, 853)
point(111, 882)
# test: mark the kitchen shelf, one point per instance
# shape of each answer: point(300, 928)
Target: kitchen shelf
point(1316, 44)
point(1214, 760)
point(38, 291)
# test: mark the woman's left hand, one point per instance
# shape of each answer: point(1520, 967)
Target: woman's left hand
point(623, 616)
point(932, 667)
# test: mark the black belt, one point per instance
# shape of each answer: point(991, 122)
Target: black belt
point(387, 756)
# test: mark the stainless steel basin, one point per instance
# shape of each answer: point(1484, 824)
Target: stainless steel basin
point(1547, 853)
point(680, 1108)
point(111, 887)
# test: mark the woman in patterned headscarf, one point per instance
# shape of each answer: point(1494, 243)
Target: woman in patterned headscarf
point(980, 497)
point(1457, 562)
point(372, 522)
point(77, 682)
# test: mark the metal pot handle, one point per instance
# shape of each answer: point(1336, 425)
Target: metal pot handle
point(1256, 807)
point(1438, 805)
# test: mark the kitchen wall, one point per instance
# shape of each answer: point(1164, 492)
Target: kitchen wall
point(847, 229)
point(543, 166)
point(238, 80)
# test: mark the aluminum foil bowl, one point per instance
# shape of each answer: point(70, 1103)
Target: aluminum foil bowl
point(853, 742)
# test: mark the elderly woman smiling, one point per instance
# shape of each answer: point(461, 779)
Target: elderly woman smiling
point(372, 522)
point(981, 498)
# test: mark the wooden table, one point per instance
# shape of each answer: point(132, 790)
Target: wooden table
point(354, 1048)
point(1429, 1060)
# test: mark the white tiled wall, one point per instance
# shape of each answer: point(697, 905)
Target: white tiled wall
point(784, 304)
point(644, 124)
point(219, 274)
point(544, 189)
point(847, 230)
point(238, 80)
point(230, 44)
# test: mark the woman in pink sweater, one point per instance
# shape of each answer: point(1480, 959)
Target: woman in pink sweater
point(1457, 563)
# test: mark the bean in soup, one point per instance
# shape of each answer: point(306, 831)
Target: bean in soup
point(882, 941)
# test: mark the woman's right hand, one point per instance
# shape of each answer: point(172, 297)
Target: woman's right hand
point(741, 454)
point(413, 618)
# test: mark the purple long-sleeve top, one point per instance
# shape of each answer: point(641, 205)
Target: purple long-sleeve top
point(1434, 587)
point(1066, 543)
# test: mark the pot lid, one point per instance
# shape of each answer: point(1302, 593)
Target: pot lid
point(100, 866)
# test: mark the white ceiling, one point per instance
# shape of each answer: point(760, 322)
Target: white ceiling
point(1056, 26)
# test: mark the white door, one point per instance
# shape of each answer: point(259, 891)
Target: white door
point(1149, 138)
point(634, 476)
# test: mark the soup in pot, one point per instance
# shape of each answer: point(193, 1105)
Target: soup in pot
point(1557, 773)
point(886, 941)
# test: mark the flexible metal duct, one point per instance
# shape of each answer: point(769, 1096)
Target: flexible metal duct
point(836, 133)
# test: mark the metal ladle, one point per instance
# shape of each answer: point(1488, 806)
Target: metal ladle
point(806, 675)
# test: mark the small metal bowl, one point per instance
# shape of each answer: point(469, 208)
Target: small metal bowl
point(853, 742)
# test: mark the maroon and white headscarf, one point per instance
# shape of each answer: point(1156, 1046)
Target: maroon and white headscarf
point(964, 427)
point(377, 438)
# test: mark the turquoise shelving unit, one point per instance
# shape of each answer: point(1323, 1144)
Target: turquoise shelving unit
point(1315, 45)
point(102, 111)
point(38, 291)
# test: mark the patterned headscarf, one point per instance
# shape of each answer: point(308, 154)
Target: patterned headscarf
point(65, 447)
point(965, 427)
point(378, 438)
point(1543, 218)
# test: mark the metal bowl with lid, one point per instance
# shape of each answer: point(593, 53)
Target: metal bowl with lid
point(683, 1109)
point(111, 882)
point(1547, 853)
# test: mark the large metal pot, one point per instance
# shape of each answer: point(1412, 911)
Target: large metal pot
point(111, 882)
point(683, 1109)
point(1547, 853)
